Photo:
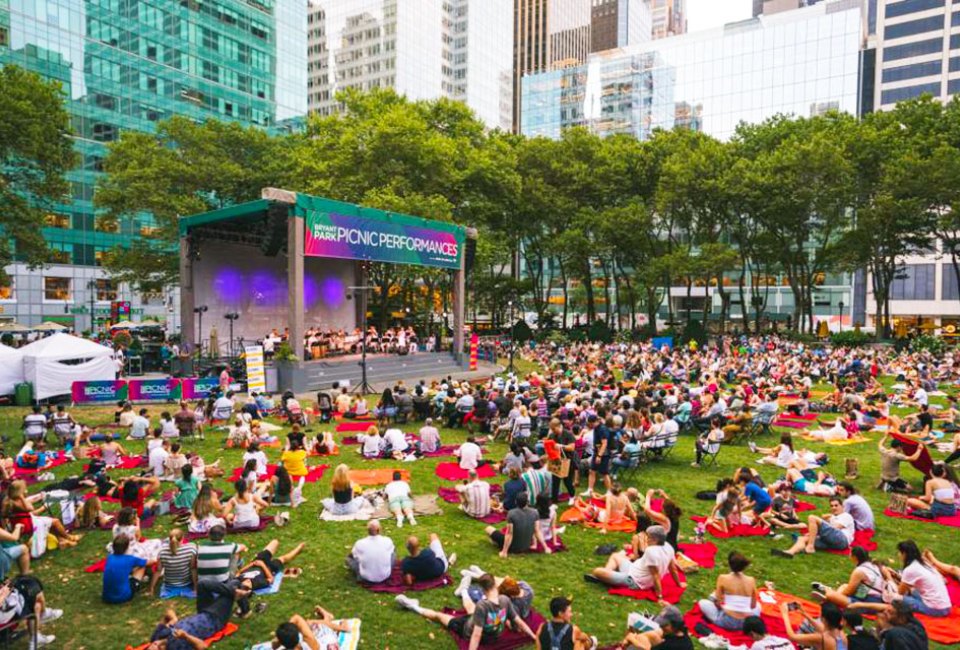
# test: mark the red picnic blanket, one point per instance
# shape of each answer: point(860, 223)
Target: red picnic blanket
point(672, 592)
point(452, 472)
point(314, 474)
point(395, 584)
point(227, 630)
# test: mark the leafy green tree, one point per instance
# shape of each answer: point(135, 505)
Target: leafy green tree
point(35, 154)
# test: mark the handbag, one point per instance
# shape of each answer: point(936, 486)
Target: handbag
point(559, 467)
point(853, 468)
point(898, 504)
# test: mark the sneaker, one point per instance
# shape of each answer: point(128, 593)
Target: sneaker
point(694, 464)
point(451, 560)
point(819, 586)
point(413, 522)
point(714, 642)
point(476, 571)
point(51, 614)
point(561, 530)
point(594, 643)
point(399, 522)
point(753, 446)
point(465, 583)
point(42, 640)
point(586, 493)
point(777, 552)
point(589, 577)
point(408, 603)
point(572, 501)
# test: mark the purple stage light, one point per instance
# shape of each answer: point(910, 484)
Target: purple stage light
point(311, 291)
point(333, 291)
point(268, 289)
point(228, 286)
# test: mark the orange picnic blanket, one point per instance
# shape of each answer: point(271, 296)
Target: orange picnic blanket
point(227, 630)
point(375, 476)
point(577, 515)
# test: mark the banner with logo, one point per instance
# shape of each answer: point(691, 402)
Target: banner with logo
point(397, 240)
point(144, 390)
point(256, 375)
point(93, 392)
point(474, 350)
point(194, 388)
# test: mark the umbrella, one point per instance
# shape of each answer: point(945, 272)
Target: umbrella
point(50, 326)
point(124, 325)
point(13, 327)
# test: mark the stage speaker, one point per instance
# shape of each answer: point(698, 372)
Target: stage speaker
point(275, 230)
point(470, 249)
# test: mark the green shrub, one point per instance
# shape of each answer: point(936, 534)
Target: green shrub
point(599, 332)
point(694, 331)
point(521, 331)
point(929, 343)
point(850, 339)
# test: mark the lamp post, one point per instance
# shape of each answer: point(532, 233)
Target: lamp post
point(361, 292)
point(510, 368)
point(199, 311)
point(232, 316)
point(841, 314)
point(92, 288)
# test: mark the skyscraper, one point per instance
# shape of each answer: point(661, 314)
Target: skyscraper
point(125, 65)
point(547, 34)
point(619, 23)
point(669, 18)
point(426, 49)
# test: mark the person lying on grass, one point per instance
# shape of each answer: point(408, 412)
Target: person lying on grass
point(423, 564)
point(617, 508)
point(322, 633)
point(519, 592)
point(833, 531)
point(265, 567)
point(647, 572)
point(668, 631)
point(215, 602)
point(487, 622)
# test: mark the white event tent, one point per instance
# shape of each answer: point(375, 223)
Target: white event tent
point(11, 369)
point(53, 363)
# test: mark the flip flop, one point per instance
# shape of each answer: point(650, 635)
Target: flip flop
point(293, 572)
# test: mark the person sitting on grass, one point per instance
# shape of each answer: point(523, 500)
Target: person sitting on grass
point(243, 509)
point(18, 508)
point(522, 532)
point(668, 633)
point(487, 622)
point(617, 508)
point(371, 559)
point(647, 572)
point(734, 598)
point(128, 525)
point(827, 631)
point(755, 497)
point(298, 633)
point(921, 587)
point(206, 511)
point(899, 629)
point(668, 516)
point(399, 499)
point(371, 442)
point(188, 487)
point(123, 574)
point(34, 455)
point(177, 566)
point(831, 532)
point(756, 629)
point(474, 496)
point(890, 459)
point(425, 564)
point(809, 481)
point(519, 592)
point(343, 502)
point(266, 565)
point(865, 585)
point(560, 632)
point(215, 602)
point(939, 496)
point(133, 492)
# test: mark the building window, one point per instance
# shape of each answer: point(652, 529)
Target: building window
point(913, 27)
point(55, 220)
point(909, 92)
point(56, 289)
point(919, 48)
point(914, 71)
point(905, 7)
point(106, 290)
point(948, 287)
point(914, 282)
point(7, 289)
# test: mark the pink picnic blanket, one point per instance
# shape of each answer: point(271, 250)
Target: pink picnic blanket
point(264, 522)
point(452, 472)
point(395, 585)
point(790, 424)
point(556, 545)
point(126, 462)
point(952, 522)
point(450, 495)
point(672, 592)
point(863, 538)
point(345, 427)
point(443, 450)
point(314, 474)
point(509, 640)
point(58, 460)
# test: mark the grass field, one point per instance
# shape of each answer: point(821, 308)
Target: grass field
point(90, 624)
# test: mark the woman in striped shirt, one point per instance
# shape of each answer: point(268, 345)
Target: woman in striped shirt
point(178, 567)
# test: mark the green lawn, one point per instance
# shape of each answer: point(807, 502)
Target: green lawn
point(90, 624)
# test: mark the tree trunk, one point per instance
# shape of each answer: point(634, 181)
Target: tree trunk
point(588, 287)
point(566, 293)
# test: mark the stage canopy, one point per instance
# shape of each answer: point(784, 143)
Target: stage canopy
point(300, 253)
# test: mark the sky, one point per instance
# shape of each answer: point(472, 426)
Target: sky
point(704, 14)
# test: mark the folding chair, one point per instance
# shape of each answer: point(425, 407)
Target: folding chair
point(635, 459)
point(710, 453)
point(761, 424)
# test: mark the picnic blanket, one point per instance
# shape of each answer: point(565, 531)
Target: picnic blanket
point(349, 640)
point(227, 630)
point(952, 522)
point(770, 613)
point(703, 554)
point(365, 513)
point(672, 592)
point(376, 476)
point(59, 458)
point(345, 427)
point(924, 463)
point(556, 545)
point(442, 450)
point(578, 514)
point(450, 495)
point(509, 640)
point(314, 474)
point(790, 424)
point(838, 443)
point(395, 585)
point(264, 522)
point(452, 472)
point(806, 417)
point(423, 505)
point(740, 530)
point(862, 538)
point(126, 462)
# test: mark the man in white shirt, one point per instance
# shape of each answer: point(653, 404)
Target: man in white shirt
point(399, 499)
point(372, 557)
point(429, 437)
point(475, 496)
point(396, 442)
point(140, 426)
point(470, 454)
point(223, 407)
point(158, 456)
point(831, 532)
point(648, 572)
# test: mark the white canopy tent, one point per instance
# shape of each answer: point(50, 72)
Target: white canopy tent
point(11, 369)
point(52, 364)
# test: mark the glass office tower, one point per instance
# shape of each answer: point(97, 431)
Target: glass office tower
point(127, 64)
point(799, 62)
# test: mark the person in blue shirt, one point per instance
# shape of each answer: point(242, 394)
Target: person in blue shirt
point(512, 488)
point(424, 563)
point(755, 494)
point(123, 575)
point(627, 457)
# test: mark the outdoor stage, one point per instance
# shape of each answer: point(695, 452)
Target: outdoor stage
point(384, 370)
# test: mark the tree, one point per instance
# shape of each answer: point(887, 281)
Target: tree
point(35, 153)
point(182, 169)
